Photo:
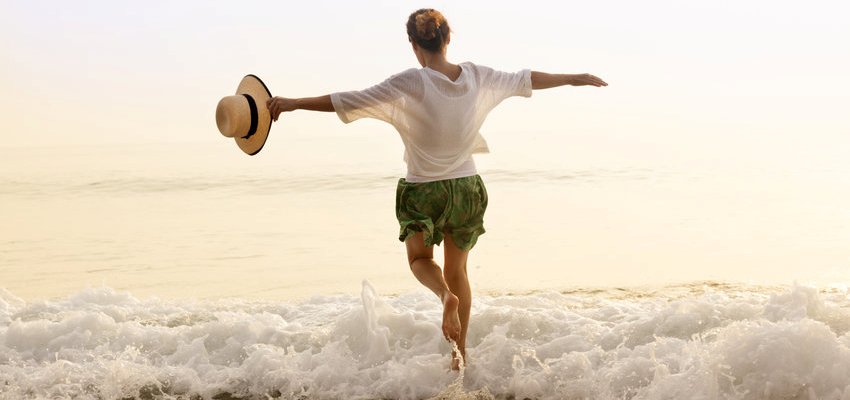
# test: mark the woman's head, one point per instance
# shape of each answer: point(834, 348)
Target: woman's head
point(428, 29)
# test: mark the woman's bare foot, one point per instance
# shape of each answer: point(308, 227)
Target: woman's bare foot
point(451, 320)
point(456, 361)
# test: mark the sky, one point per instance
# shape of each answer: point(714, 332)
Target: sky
point(690, 77)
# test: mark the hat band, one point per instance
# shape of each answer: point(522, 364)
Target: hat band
point(254, 116)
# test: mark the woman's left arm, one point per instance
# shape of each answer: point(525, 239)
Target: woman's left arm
point(278, 105)
point(542, 80)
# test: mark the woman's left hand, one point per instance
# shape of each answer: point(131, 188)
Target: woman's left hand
point(278, 105)
point(587, 80)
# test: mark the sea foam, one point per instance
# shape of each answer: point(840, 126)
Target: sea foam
point(699, 341)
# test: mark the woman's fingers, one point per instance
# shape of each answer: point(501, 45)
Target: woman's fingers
point(278, 105)
point(597, 82)
point(274, 108)
point(270, 106)
point(593, 80)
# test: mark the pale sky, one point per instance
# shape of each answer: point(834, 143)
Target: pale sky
point(708, 74)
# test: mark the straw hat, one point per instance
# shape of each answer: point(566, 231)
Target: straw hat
point(244, 116)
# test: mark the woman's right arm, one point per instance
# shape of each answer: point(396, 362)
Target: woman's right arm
point(378, 101)
point(278, 105)
point(542, 80)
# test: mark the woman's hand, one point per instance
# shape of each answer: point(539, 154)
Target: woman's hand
point(278, 105)
point(542, 80)
point(586, 80)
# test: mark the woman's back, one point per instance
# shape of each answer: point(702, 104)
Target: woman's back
point(438, 118)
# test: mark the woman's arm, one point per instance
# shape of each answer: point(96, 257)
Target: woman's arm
point(278, 105)
point(542, 80)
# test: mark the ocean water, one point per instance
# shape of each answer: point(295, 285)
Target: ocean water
point(699, 341)
point(310, 216)
point(189, 271)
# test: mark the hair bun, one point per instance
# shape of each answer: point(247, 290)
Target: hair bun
point(428, 24)
point(429, 29)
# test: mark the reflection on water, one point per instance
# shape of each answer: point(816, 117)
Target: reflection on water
point(235, 183)
point(204, 225)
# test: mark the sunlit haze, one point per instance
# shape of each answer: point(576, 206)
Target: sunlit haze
point(765, 76)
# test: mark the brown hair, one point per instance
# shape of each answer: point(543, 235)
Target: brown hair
point(429, 29)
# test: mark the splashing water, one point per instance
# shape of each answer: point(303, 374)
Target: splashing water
point(701, 341)
point(455, 390)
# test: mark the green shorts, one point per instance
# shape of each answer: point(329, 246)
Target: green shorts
point(452, 206)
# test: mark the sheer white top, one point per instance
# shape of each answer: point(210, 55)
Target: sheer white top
point(438, 119)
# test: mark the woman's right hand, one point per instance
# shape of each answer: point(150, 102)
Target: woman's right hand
point(278, 105)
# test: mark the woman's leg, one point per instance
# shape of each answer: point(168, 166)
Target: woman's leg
point(458, 282)
point(421, 260)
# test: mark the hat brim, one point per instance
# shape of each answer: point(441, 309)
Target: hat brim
point(254, 87)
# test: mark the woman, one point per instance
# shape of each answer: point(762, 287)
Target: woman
point(437, 110)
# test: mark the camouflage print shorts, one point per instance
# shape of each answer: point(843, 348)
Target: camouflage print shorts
point(452, 206)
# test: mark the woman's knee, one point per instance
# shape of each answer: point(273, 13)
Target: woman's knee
point(454, 270)
point(416, 249)
point(412, 258)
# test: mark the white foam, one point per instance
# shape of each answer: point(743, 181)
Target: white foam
point(695, 342)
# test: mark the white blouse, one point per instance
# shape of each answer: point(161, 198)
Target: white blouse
point(438, 119)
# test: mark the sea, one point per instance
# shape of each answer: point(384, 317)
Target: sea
point(190, 271)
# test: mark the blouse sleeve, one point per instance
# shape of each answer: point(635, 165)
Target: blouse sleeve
point(381, 101)
point(498, 85)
